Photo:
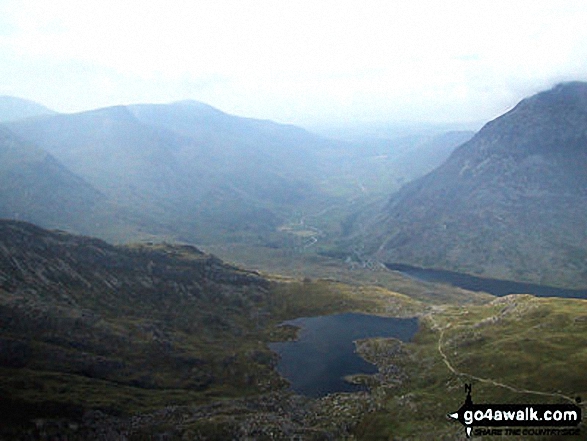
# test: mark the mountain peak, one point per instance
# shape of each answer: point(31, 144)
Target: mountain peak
point(549, 122)
point(198, 106)
point(506, 204)
point(564, 96)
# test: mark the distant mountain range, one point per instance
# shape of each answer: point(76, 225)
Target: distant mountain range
point(190, 172)
point(192, 168)
point(510, 203)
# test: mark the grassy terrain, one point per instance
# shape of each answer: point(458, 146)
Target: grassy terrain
point(102, 341)
point(516, 349)
point(119, 367)
point(128, 330)
point(291, 262)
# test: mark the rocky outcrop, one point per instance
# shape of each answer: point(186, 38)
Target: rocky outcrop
point(83, 321)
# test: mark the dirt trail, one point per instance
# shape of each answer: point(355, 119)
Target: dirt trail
point(441, 330)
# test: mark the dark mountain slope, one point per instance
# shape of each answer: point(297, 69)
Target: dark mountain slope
point(134, 342)
point(510, 203)
point(12, 109)
point(102, 326)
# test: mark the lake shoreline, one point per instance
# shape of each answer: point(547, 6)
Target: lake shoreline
point(324, 353)
point(497, 287)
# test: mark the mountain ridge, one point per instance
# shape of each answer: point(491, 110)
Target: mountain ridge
point(197, 173)
point(187, 171)
point(14, 108)
point(96, 337)
point(510, 203)
point(33, 183)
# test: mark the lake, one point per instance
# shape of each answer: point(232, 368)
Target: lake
point(316, 363)
point(491, 286)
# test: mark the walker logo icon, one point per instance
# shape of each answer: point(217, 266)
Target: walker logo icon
point(513, 416)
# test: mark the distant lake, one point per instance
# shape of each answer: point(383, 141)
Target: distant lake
point(491, 286)
point(324, 353)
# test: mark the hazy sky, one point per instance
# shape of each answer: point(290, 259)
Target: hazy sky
point(294, 61)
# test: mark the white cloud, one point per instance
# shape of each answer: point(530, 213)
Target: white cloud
point(302, 60)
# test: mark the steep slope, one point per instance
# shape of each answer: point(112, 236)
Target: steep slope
point(229, 137)
point(510, 203)
point(12, 109)
point(110, 324)
point(34, 186)
point(134, 342)
point(111, 150)
point(429, 154)
point(254, 173)
point(269, 162)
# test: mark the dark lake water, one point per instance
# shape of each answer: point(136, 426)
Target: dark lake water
point(324, 353)
point(491, 286)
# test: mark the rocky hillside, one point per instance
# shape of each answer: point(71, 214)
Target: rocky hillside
point(90, 325)
point(145, 341)
point(510, 203)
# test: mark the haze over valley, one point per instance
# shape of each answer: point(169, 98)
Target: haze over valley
point(215, 226)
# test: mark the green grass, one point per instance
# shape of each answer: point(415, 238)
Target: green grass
point(168, 351)
point(181, 328)
point(294, 298)
point(523, 342)
point(299, 263)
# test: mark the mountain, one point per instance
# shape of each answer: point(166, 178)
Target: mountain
point(12, 109)
point(510, 203)
point(194, 170)
point(227, 137)
point(269, 164)
point(190, 172)
point(110, 327)
point(110, 149)
point(36, 187)
point(141, 341)
point(380, 166)
point(428, 154)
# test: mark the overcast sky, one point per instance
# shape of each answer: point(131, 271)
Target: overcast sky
point(295, 61)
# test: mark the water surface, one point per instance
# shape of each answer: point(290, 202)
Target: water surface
point(491, 286)
point(324, 353)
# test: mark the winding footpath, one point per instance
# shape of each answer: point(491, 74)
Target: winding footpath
point(441, 330)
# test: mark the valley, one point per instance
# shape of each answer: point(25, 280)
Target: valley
point(122, 371)
point(151, 253)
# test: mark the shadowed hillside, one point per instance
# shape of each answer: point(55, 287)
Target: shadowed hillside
point(93, 334)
